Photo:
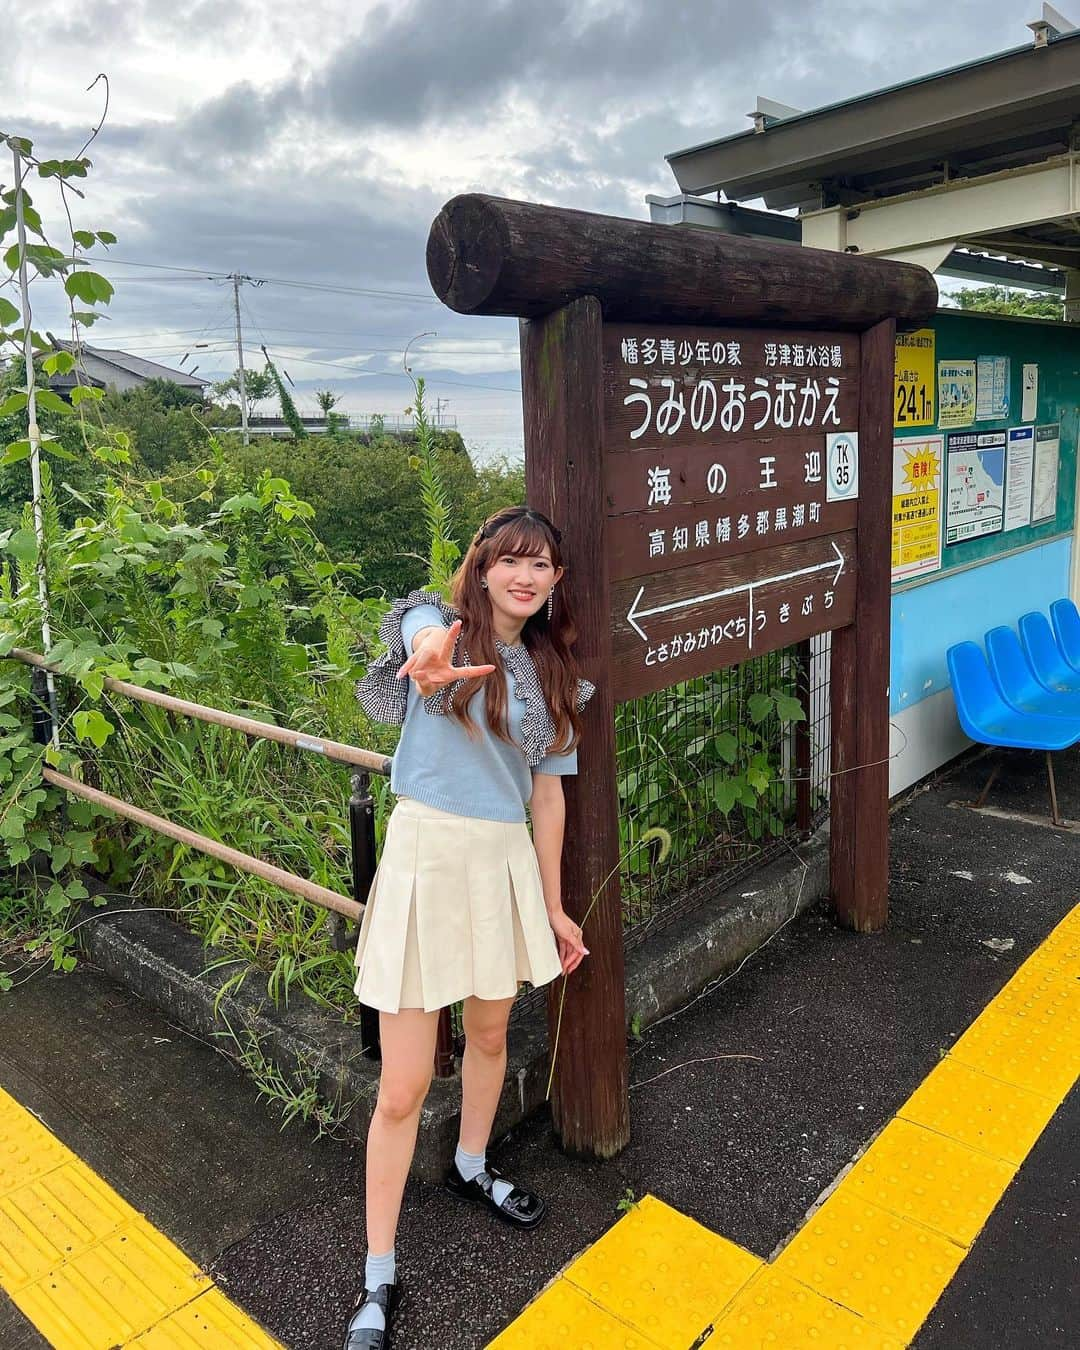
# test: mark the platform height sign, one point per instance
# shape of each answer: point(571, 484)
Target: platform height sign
point(709, 421)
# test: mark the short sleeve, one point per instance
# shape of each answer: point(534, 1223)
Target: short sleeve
point(558, 764)
point(419, 616)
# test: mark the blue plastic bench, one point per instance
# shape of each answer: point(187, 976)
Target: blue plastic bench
point(987, 718)
point(1045, 656)
point(1016, 679)
point(1066, 623)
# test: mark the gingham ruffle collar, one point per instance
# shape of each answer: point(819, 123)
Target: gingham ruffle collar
point(385, 698)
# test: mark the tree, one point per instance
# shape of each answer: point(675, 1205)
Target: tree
point(258, 384)
point(172, 395)
point(1004, 300)
point(163, 423)
point(367, 506)
point(327, 400)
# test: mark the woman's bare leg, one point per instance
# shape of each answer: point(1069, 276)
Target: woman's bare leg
point(408, 1059)
point(483, 1068)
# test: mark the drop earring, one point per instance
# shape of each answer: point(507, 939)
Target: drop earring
point(551, 602)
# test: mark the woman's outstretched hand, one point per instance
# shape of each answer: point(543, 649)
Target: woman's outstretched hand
point(572, 950)
point(431, 665)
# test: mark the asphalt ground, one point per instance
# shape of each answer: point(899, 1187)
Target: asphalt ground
point(745, 1107)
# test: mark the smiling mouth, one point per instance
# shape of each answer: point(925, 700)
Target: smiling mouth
point(523, 595)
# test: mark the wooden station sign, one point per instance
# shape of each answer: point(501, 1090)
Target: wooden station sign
point(708, 419)
point(731, 494)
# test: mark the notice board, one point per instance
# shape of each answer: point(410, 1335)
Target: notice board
point(977, 498)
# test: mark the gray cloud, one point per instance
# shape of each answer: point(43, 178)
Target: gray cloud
point(581, 100)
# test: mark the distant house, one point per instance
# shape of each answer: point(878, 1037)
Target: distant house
point(105, 368)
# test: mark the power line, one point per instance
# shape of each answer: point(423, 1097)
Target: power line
point(210, 275)
point(319, 332)
point(224, 348)
point(315, 347)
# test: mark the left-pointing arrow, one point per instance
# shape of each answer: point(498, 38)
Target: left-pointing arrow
point(635, 612)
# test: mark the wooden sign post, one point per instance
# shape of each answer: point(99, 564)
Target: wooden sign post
point(708, 419)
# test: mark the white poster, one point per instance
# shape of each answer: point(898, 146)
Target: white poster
point(1019, 467)
point(992, 388)
point(974, 502)
point(1029, 401)
point(1044, 492)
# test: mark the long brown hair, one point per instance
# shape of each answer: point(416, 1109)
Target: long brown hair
point(524, 533)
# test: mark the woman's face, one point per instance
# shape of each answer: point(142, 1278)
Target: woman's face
point(518, 585)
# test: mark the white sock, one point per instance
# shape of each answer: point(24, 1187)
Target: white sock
point(469, 1164)
point(377, 1270)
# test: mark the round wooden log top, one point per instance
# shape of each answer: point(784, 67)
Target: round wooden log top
point(489, 255)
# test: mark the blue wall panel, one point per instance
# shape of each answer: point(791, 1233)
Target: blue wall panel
point(928, 619)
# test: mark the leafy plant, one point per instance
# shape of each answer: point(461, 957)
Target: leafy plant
point(296, 1094)
point(1005, 300)
point(705, 760)
point(628, 1201)
point(289, 415)
point(444, 552)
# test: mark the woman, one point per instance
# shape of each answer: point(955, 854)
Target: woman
point(464, 904)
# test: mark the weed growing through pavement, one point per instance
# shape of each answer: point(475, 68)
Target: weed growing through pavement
point(297, 1093)
point(628, 1201)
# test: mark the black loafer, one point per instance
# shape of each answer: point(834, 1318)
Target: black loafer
point(521, 1208)
point(387, 1296)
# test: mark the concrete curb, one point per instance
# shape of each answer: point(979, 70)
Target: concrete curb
point(144, 950)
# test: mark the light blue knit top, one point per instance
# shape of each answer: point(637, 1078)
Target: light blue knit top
point(437, 761)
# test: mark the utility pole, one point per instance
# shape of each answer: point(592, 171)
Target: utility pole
point(440, 404)
point(236, 279)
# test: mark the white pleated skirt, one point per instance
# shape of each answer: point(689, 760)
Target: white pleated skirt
point(456, 908)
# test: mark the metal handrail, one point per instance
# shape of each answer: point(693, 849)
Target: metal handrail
point(367, 760)
point(361, 816)
point(335, 750)
point(244, 862)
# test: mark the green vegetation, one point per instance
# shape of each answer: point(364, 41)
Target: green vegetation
point(1004, 300)
point(253, 579)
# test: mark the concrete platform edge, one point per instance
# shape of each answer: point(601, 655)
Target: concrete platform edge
point(144, 950)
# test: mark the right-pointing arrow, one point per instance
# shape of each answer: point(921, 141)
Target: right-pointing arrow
point(839, 563)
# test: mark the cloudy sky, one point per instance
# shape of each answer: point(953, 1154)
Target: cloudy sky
point(311, 145)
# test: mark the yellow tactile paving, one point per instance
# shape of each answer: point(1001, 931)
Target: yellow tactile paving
point(867, 1267)
point(887, 1269)
point(1046, 985)
point(776, 1313)
point(561, 1318)
point(921, 1175)
point(113, 1292)
point(54, 1218)
point(662, 1272)
point(209, 1321)
point(88, 1270)
point(985, 1113)
point(27, 1149)
point(1024, 1041)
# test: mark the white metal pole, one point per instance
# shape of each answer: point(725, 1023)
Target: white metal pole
point(236, 280)
point(34, 436)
